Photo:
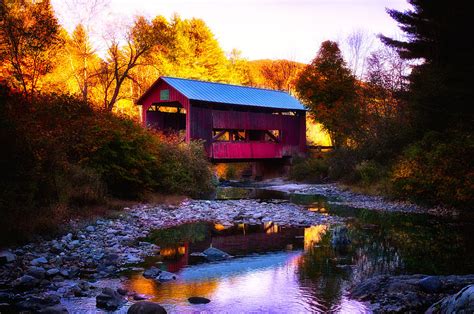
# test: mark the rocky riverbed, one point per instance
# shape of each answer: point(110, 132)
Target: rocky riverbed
point(338, 195)
point(37, 276)
point(417, 293)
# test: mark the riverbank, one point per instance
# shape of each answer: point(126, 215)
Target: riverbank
point(413, 293)
point(92, 256)
point(38, 275)
point(338, 194)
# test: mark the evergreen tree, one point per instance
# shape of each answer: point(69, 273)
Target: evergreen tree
point(439, 34)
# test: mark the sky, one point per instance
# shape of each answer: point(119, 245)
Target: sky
point(261, 29)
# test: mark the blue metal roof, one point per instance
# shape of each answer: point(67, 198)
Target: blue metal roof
point(233, 94)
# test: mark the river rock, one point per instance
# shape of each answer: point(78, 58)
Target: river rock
point(430, 284)
point(39, 261)
point(6, 256)
point(55, 309)
point(90, 228)
point(461, 302)
point(25, 282)
point(198, 300)
point(109, 300)
point(52, 272)
point(151, 272)
point(164, 276)
point(212, 254)
point(402, 294)
point(37, 272)
point(146, 307)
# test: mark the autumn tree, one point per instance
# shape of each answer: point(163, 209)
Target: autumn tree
point(116, 69)
point(82, 60)
point(29, 34)
point(328, 89)
point(439, 38)
point(238, 68)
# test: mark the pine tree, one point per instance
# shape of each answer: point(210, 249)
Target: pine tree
point(439, 34)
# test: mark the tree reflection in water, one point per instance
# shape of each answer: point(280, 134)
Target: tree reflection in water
point(313, 275)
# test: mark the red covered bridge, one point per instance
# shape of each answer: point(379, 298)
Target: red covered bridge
point(237, 122)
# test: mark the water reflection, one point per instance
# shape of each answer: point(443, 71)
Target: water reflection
point(277, 279)
point(278, 269)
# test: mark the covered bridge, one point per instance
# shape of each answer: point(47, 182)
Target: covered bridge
point(237, 122)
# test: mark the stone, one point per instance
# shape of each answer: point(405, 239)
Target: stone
point(151, 272)
point(146, 307)
point(430, 284)
point(55, 309)
point(109, 300)
point(37, 272)
point(52, 272)
point(198, 300)
point(39, 261)
point(6, 256)
point(165, 276)
point(25, 282)
point(56, 248)
point(461, 302)
point(90, 228)
point(122, 291)
point(213, 254)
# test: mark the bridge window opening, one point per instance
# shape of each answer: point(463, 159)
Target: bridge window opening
point(169, 119)
point(221, 135)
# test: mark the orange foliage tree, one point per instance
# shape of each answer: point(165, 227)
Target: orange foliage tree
point(29, 34)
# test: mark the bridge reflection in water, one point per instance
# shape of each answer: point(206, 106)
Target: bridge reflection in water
point(265, 274)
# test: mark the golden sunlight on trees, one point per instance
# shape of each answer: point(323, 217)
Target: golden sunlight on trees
point(140, 39)
point(328, 88)
point(29, 34)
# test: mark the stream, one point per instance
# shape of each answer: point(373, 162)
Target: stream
point(285, 268)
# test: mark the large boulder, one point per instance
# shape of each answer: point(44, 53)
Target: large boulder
point(212, 254)
point(146, 307)
point(109, 300)
point(461, 302)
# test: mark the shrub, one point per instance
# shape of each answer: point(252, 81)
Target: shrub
point(341, 164)
point(309, 169)
point(58, 155)
point(437, 169)
point(369, 172)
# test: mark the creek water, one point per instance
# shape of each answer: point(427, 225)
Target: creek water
point(286, 270)
point(278, 269)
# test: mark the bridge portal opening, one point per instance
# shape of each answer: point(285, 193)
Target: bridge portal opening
point(169, 118)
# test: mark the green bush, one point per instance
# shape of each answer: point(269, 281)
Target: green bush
point(58, 155)
point(342, 162)
point(309, 169)
point(437, 170)
point(369, 172)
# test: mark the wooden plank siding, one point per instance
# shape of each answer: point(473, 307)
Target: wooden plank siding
point(246, 150)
